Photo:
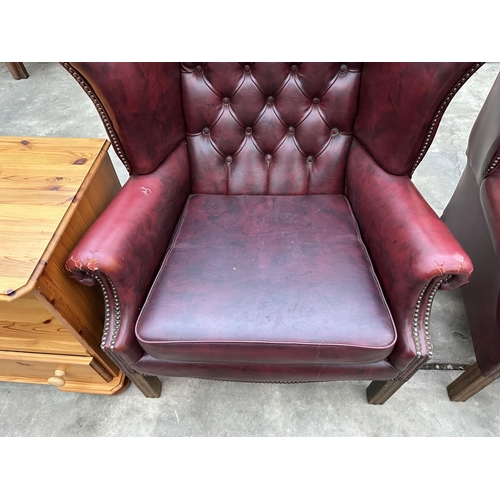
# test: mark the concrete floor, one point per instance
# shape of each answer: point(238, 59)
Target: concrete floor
point(51, 103)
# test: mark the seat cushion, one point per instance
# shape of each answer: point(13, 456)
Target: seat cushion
point(267, 279)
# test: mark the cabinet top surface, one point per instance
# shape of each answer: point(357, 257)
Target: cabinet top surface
point(39, 180)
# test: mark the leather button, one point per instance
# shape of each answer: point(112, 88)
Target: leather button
point(268, 157)
point(343, 68)
point(310, 159)
point(294, 68)
point(316, 100)
point(248, 130)
point(206, 130)
point(335, 131)
point(247, 68)
point(199, 68)
point(225, 100)
point(270, 99)
point(291, 129)
point(229, 159)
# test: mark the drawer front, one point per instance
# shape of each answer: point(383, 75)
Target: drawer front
point(38, 368)
point(27, 326)
point(49, 337)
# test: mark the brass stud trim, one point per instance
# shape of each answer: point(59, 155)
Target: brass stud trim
point(102, 113)
point(432, 129)
point(492, 166)
point(417, 316)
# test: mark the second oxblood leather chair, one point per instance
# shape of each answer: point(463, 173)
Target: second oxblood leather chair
point(270, 231)
point(473, 214)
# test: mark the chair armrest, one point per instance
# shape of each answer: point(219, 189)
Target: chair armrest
point(123, 249)
point(412, 250)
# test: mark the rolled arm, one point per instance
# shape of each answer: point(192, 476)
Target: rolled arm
point(124, 247)
point(412, 250)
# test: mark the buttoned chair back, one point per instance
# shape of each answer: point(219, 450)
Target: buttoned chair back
point(270, 230)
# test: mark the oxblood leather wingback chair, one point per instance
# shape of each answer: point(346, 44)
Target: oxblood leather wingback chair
point(473, 215)
point(269, 231)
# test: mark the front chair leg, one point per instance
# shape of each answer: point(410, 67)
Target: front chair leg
point(150, 386)
point(469, 383)
point(379, 391)
point(17, 70)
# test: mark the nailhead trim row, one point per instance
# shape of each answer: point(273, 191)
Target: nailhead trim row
point(416, 317)
point(491, 373)
point(492, 166)
point(433, 366)
point(102, 113)
point(419, 360)
point(410, 370)
point(117, 315)
point(437, 117)
point(107, 322)
point(106, 309)
point(281, 382)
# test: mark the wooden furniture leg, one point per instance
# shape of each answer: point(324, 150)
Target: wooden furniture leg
point(148, 385)
point(379, 391)
point(469, 383)
point(17, 70)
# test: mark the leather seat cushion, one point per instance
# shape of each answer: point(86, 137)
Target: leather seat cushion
point(267, 279)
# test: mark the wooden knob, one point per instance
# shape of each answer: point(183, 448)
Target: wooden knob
point(57, 380)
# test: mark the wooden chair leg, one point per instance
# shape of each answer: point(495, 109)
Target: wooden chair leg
point(469, 383)
point(149, 386)
point(379, 391)
point(17, 70)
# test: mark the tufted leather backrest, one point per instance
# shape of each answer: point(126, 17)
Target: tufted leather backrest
point(269, 128)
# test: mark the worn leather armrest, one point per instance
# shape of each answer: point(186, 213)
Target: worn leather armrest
point(411, 249)
point(125, 246)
